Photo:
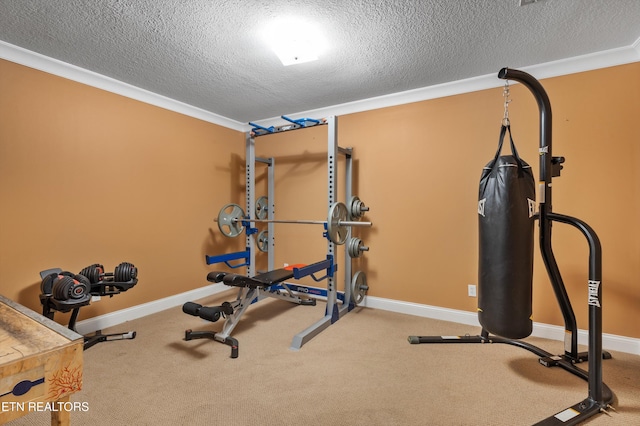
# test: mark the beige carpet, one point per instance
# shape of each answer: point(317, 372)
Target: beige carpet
point(359, 371)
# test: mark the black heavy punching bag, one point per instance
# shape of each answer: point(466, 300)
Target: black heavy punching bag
point(506, 208)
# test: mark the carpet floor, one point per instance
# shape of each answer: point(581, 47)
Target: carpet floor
point(359, 371)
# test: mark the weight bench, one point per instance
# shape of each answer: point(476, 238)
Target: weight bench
point(251, 290)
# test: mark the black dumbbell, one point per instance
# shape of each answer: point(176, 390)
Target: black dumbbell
point(125, 272)
point(65, 286)
point(95, 273)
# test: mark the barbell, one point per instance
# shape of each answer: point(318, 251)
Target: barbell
point(231, 217)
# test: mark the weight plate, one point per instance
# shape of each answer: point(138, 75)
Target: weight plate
point(230, 220)
point(359, 287)
point(337, 233)
point(262, 207)
point(353, 247)
point(263, 241)
point(355, 208)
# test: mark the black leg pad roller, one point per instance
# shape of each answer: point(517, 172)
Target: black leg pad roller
point(216, 276)
point(191, 308)
point(210, 314)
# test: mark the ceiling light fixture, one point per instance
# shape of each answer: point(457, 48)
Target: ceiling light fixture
point(294, 40)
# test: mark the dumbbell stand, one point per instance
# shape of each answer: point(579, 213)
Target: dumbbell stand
point(97, 337)
point(106, 284)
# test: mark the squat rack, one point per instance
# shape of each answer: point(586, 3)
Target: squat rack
point(255, 286)
point(334, 310)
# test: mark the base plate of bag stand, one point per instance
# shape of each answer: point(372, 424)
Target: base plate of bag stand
point(573, 415)
point(552, 361)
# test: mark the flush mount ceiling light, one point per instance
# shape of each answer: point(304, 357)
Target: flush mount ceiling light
point(294, 40)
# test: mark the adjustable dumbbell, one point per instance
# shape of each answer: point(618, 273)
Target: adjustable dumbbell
point(65, 286)
point(63, 290)
point(123, 278)
point(125, 272)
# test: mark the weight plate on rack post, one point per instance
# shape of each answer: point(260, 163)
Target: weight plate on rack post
point(353, 247)
point(230, 220)
point(262, 207)
point(359, 287)
point(356, 208)
point(337, 233)
point(263, 241)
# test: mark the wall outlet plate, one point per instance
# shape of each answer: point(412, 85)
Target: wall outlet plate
point(526, 2)
point(471, 288)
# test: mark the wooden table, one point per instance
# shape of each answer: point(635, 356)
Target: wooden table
point(40, 365)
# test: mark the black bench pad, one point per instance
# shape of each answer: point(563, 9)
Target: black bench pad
point(259, 281)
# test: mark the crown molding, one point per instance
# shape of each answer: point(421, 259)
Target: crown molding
point(593, 61)
point(62, 69)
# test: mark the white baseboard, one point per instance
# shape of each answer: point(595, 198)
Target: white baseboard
point(118, 317)
point(609, 341)
point(554, 332)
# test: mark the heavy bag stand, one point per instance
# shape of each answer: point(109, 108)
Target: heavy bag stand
point(599, 396)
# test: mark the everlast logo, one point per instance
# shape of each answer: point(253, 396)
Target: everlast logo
point(593, 293)
point(481, 207)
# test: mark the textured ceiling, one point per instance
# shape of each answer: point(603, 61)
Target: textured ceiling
point(212, 54)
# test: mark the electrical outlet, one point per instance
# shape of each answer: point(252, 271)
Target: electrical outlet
point(95, 298)
point(472, 290)
point(527, 2)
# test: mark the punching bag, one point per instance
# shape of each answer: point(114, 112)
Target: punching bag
point(506, 210)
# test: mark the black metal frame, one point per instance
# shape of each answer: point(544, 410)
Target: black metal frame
point(599, 396)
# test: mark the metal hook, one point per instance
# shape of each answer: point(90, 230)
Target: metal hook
point(505, 93)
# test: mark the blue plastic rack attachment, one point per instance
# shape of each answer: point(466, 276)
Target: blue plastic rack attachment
point(297, 123)
point(247, 225)
point(302, 122)
point(225, 258)
point(259, 130)
point(309, 270)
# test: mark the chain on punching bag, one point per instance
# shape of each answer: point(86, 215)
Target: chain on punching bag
point(506, 209)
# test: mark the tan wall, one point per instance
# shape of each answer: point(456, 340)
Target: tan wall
point(87, 176)
point(418, 167)
point(156, 179)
